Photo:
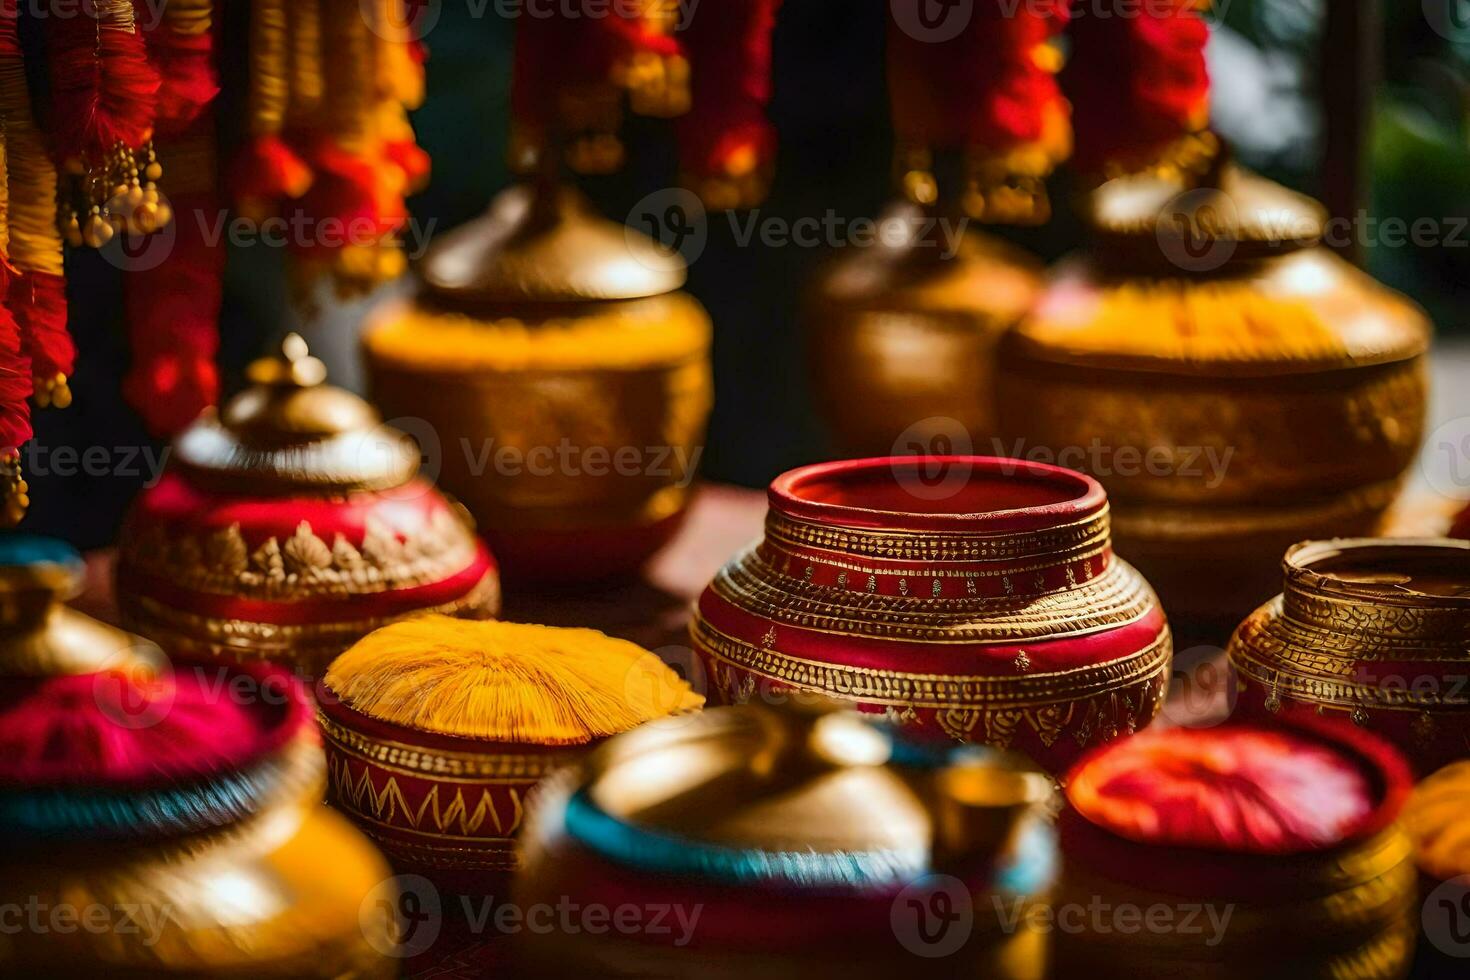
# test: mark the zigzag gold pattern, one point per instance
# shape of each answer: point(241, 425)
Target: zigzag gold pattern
point(1053, 543)
point(436, 813)
point(303, 566)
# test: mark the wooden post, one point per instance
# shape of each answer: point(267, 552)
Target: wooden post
point(1350, 61)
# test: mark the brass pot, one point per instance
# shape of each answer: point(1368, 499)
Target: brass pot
point(558, 378)
point(1236, 386)
point(901, 336)
point(788, 843)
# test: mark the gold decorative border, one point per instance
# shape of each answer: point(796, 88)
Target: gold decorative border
point(303, 566)
point(938, 691)
point(1117, 596)
point(307, 647)
point(443, 763)
point(943, 546)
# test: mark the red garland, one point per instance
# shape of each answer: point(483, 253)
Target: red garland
point(727, 146)
point(172, 313)
point(181, 48)
point(568, 78)
point(15, 379)
point(989, 92)
point(39, 301)
point(104, 91)
point(1138, 85)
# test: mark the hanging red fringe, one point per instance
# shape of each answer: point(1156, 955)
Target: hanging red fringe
point(727, 147)
point(15, 412)
point(571, 72)
point(173, 314)
point(1140, 90)
point(988, 92)
point(103, 89)
point(39, 301)
point(181, 48)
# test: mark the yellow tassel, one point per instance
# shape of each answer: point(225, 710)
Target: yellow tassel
point(506, 682)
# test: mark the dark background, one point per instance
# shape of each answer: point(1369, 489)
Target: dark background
point(830, 108)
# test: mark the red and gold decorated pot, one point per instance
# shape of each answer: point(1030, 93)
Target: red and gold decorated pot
point(1269, 852)
point(966, 598)
point(163, 819)
point(901, 336)
point(437, 731)
point(291, 524)
point(1235, 385)
point(565, 378)
point(761, 842)
point(1371, 629)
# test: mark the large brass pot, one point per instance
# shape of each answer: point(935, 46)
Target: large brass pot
point(1234, 384)
point(559, 380)
point(901, 336)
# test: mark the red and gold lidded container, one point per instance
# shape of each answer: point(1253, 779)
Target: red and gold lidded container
point(1244, 850)
point(292, 523)
point(965, 598)
point(1369, 629)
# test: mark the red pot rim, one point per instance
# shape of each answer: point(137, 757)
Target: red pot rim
point(974, 494)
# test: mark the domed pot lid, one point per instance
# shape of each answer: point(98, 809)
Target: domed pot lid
point(543, 244)
point(1223, 280)
point(804, 798)
point(102, 738)
point(289, 432)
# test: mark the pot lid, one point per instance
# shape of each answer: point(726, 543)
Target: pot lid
point(289, 431)
point(809, 797)
point(1239, 210)
point(546, 245)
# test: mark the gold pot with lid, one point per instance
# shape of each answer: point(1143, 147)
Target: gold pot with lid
point(901, 336)
point(1235, 385)
point(561, 379)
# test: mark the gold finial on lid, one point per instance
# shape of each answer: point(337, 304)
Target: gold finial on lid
point(294, 367)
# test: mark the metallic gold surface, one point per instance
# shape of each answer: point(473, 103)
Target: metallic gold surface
point(898, 333)
point(308, 647)
point(285, 894)
point(288, 431)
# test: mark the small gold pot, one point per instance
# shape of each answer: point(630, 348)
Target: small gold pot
point(901, 336)
point(559, 380)
point(1236, 386)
